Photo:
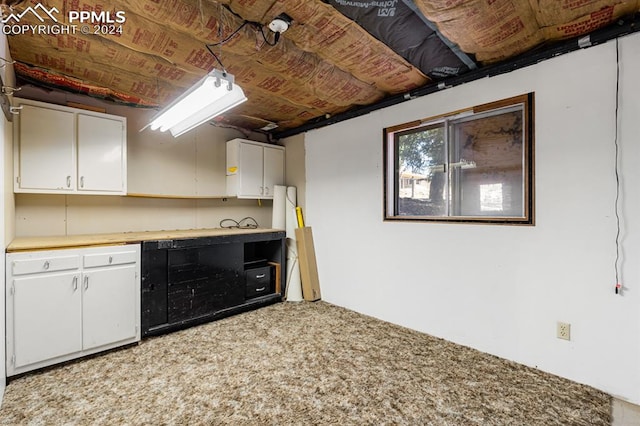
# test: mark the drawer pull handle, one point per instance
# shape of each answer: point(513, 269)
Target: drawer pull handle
point(110, 259)
point(81, 181)
point(46, 265)
point(68, 181)
point(259, 276)
point(260, 289)
point(75, 283)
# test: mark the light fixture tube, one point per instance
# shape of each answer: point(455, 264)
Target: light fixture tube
point(214, 94)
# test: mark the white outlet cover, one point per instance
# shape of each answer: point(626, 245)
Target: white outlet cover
point(563, 331)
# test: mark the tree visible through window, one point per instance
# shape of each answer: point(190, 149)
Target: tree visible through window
point(475, 165)
point(421, 159)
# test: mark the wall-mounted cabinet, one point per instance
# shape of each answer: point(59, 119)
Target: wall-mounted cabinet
point(253, 168)
point(63, 150)
point(63, 304)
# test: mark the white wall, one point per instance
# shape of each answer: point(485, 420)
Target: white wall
point(501, 289)
point(7, 205)
point(191, 165)
point(4, 126)
point(9, 199)
point(7, 229)
point(48, 215)
point(295, 171)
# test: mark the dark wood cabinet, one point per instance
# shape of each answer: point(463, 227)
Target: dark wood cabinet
point(190, 281)
point(204, 280)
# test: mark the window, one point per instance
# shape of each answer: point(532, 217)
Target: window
point(474, 165)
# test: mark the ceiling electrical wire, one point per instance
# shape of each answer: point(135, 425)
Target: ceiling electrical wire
point(222, 42)
point(255, 25)
point(276, 37)
point(617, 263)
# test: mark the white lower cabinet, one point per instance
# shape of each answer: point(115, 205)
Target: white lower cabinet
point(47, 318)
point(108, 306)
point(64, 304)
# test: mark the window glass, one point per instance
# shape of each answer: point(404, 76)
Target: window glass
point(487, 165)
point(421, 177)
point(474, 165)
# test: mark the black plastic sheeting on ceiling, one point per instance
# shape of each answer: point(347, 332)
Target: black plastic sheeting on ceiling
point(406, 33)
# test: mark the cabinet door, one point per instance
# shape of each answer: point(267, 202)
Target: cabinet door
point(273, 170)
point(47, 317)
point(154, 284)
point(46, 139)
point(100, 154)
point(250, 170)
point(204, 280)
point(108, 305)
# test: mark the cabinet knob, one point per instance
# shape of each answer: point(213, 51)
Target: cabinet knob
point(46, 265)
point(110, 260)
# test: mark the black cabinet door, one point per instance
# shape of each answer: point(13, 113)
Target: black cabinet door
point(153, 287)
point(203, 280)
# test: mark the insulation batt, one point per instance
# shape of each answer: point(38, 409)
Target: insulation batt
point(397, 26)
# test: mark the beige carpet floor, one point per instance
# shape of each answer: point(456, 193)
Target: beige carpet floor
point(302, 364)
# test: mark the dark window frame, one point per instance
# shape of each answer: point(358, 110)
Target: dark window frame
point(391, 176)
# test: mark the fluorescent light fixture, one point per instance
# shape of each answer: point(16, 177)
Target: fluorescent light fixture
point(209, 97)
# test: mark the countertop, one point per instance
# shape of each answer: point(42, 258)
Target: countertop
point(68, 241)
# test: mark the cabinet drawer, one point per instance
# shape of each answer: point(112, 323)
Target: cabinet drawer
point(45, 264)
point(108, 259)
point(258, 282)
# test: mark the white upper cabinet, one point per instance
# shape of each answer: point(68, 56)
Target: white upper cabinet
point(273, 169)
point(46, 159)
point(67, 150)
point(253, 168)
point(101, 156)
point(250, 164)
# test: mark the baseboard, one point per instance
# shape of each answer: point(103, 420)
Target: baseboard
point(624, 413)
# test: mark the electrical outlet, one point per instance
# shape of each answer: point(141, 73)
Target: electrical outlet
point(563, 331)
